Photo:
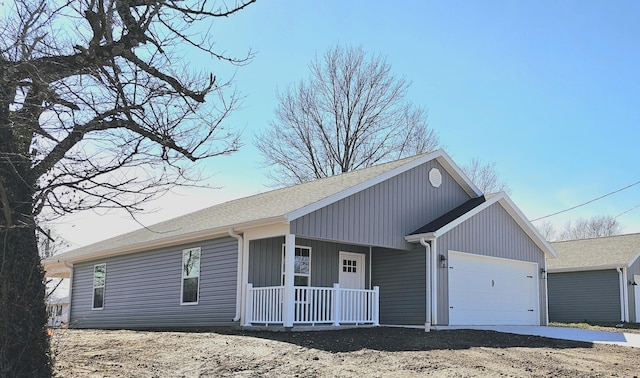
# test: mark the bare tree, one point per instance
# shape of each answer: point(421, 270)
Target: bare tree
point(98, 108)
point(593, 227)
point(485, 176)
point(49, 242)
point(350, 113)
point(547, 230)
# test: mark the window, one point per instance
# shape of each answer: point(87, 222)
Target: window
point(99, 282)
point(349, 266)
point(302, 266)
point(190, 275)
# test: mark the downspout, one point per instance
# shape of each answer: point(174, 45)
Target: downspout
point(434, 281)
point(626, 294)
point(545, 282)
point(622, 291)
point(427, 247)
point(238, 237)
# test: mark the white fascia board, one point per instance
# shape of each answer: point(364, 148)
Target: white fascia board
point(167, 242)
point(596, 267)
point(458, 175)
point(515, 214)
point(466, 216)
point(586, 268)
point(632, 261)
point(528, 227)
point(416, 237)
point(439, 155)
point(268, 231)
point(56, 269)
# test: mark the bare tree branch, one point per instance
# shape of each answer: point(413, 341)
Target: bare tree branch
point(350, 113)
point(485, 176)
point(98, 109)
point(594, 227)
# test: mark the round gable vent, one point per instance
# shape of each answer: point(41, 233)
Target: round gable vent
point(435, 177)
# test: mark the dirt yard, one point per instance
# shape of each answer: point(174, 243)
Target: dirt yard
point(375, 352)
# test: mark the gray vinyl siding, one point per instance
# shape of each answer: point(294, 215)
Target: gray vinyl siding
point(401, 276)
point(143, 289)
point(492, 232)
point(584, 296)
point(634, 269)
point(265, 261)
point(384, 213)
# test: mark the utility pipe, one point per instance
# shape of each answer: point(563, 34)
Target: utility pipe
point(238, 237)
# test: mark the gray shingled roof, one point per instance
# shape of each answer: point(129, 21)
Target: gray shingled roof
point(264, 206)
point(587, 254)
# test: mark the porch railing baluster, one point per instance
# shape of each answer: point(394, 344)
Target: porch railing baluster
point(313, 305)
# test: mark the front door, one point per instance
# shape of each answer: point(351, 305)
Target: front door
point(351, 270)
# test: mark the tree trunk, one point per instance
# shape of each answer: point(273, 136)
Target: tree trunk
point(24, 343)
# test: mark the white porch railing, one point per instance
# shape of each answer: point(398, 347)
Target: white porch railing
point(313, 305)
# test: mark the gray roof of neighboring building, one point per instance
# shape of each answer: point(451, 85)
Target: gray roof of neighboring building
point(597, 253)
point(261, 207)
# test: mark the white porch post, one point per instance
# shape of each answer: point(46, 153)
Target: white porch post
point(288, 310)
point(245, 280)
point(248, 305)
point(337, 305)
point(376, 305)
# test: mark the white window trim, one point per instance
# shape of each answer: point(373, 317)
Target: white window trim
point(182, 302)
point(294, 273)
point(93, 284)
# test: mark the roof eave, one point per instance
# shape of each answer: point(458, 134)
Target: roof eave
point(586, 268)
point(528, 227)
point(415, 238)
point(513, 211)
point(56, 269)
point(439, 155)
point(163, 243)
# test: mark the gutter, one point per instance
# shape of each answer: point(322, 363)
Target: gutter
point(197, 236)
point(585, 268)
point(240, 240)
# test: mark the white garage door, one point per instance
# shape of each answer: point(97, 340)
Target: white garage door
point(492, 291)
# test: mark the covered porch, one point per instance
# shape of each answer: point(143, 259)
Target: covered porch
point(300, 282)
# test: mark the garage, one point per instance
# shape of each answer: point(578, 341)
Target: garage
point(492, 291)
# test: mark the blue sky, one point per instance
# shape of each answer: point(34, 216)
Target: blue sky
point(548, 90)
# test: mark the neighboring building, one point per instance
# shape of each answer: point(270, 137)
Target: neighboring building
point(410, 242)
point(58, 312)
point(595, 280)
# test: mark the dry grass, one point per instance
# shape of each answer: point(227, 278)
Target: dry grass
point(375, 352)
point(602, 326)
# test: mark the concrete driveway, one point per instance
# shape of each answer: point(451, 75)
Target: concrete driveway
point(577, 334)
